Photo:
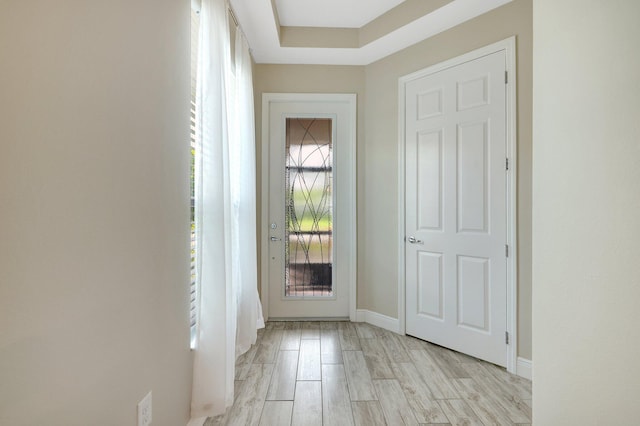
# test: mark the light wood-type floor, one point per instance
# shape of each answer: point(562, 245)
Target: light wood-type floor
point(343, 373)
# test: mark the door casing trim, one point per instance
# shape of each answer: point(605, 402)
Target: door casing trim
point(509, 47)
point(348, 181)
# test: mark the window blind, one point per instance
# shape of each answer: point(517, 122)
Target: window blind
point(193, 312)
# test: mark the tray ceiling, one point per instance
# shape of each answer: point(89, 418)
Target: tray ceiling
point(346, 32)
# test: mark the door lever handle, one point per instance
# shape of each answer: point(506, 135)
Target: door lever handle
point(276, 239)
point(413, 240)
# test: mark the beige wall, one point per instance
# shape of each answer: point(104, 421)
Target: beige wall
point(377, 239)
point(94, 258)
point(586, 196)
point(377, 149)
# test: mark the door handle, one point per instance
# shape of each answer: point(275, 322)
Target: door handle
point(413, 240)
point(276, 239)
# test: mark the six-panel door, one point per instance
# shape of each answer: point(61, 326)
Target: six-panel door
point(456, 208)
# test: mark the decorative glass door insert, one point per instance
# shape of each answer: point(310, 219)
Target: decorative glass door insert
point(308, 235)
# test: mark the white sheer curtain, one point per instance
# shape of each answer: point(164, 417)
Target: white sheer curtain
point(225, 214)
point(242, 159)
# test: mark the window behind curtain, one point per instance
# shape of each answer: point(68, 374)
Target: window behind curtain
point(195, 24)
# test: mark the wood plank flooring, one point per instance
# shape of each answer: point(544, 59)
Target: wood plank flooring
point(342, 373)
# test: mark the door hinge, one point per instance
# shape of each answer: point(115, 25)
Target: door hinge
point(506, 337)
point(506, 250)
point(506, 77)
point(506, 164)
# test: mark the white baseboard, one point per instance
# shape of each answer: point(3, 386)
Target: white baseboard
point(197, 422)
point(379, 320)
point(524, 368)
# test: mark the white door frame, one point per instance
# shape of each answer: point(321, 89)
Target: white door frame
point(509, 46)
point(347, 166)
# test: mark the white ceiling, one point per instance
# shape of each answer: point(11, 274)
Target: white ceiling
point(256, 17)
point(331, 13)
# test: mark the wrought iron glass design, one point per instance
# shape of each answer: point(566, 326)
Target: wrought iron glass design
point(308, 208)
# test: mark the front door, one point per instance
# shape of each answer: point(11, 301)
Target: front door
point(456, 208)
point(310, 208)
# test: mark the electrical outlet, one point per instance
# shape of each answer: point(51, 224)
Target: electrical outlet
point(144, 411)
